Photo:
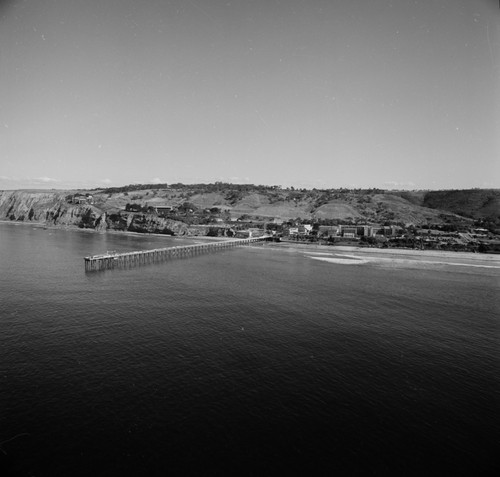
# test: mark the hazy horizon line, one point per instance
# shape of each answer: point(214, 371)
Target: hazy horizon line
point(146, 185)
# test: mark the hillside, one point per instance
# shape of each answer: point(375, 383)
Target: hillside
point(475, 203)
point(134, 207)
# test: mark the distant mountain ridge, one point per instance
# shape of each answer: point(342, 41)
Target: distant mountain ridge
point(134, 207)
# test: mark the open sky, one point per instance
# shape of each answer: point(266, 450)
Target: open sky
point(305, 93)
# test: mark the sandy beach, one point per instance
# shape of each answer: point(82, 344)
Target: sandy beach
point(411, 254)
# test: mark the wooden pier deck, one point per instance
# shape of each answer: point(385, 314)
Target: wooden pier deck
point(111, 260)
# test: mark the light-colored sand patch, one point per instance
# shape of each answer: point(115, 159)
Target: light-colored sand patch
point(392, 261)
point(420, 253)
point(321, 253)
point(417, 260)
point(341, 261)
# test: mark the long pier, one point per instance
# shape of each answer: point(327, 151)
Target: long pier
point(110, 260)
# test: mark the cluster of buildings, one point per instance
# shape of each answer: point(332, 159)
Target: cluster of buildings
point(396, 236)
point(390, 235)
point(346, 231)
point(389, 231)
point(81, 199)
point(356, 231)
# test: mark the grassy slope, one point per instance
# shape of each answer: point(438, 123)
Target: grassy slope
point(470, 203)
point(338, 209)
point(374, 206)
point(393, 207)
point(408, 207)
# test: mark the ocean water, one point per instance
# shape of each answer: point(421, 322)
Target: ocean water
point(258, 360)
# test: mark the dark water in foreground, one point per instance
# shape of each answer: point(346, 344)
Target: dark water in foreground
point(253, 361)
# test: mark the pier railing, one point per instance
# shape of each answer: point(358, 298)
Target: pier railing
point(111, 260)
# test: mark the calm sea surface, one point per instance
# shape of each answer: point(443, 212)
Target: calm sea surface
point(260, 360)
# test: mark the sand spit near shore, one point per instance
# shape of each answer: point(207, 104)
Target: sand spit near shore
point(418, 253)
point(359, 255)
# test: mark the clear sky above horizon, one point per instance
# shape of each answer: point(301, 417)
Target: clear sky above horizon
point(305, 93)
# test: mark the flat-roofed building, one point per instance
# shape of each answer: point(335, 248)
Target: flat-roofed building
point(328, 231)
point(163, 209)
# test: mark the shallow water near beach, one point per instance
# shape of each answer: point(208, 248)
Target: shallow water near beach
point(259, 360)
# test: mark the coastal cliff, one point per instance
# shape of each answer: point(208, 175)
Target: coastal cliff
point(53, 208)
point(207, 209)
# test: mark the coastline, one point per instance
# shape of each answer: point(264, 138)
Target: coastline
point(332, 249)
point(318, 248)
point(70, 228)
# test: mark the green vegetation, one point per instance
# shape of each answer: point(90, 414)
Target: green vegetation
point(220, 207)
point(473, 203)
point(454, 208)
